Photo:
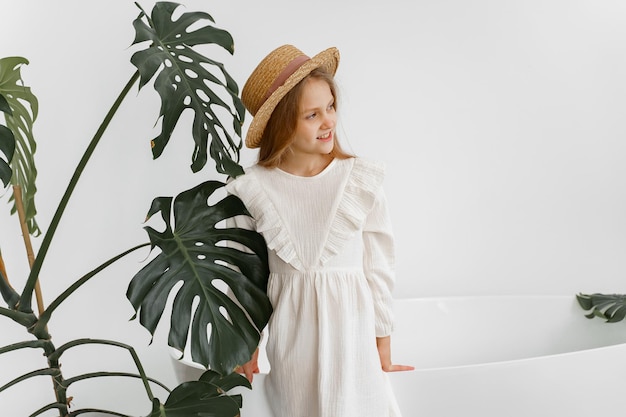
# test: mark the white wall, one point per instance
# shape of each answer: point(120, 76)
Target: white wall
point(502, 124)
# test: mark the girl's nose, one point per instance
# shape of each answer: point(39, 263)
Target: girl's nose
point(330, 119)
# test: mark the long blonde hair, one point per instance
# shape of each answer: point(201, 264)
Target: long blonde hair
point(281, 126)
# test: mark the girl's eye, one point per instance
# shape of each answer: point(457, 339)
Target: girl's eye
point(331, 106)
point(311, 116)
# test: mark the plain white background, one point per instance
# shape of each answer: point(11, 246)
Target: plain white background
point(501, 123)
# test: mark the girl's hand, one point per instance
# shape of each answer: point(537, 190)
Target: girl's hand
point(251, 367)
point(384, 352)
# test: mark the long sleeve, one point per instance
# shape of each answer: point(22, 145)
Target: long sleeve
point(379, 263)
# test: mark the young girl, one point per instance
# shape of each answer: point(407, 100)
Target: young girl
point(324, 217)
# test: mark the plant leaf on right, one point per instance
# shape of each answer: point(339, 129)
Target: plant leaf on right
point(610, 307)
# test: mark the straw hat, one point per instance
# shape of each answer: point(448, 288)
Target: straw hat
point(273, 78)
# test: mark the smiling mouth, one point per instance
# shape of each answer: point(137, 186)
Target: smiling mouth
point(327, 136)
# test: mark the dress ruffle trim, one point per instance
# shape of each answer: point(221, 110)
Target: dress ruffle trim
point(268, 222)
point(358, 198)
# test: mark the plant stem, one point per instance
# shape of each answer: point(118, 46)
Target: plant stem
point(97, 410)
point(45, 336)
point(26, 298)
point(3, 271)
point(45, 371)
point(19, 204)
point(34, 344)
point(61, 407)
point(25, 319)
point(54, 357)
point(70, 381)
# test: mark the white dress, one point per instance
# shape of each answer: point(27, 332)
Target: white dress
point(331, 260)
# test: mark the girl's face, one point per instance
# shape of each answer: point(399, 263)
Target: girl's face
point(317, 119)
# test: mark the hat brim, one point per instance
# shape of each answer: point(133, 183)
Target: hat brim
point(329, 59)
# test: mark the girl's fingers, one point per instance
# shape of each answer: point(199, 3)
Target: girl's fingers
point(400, 368)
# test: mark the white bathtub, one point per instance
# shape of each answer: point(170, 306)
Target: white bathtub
point(512, 356)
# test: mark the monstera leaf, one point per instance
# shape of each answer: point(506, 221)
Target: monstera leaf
point(23, 107)
point(610, 307)
point(203, 257)
point(185, 81)
point(205, 397)
point(7, 146)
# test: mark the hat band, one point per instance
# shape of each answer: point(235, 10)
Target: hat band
point(286, 73)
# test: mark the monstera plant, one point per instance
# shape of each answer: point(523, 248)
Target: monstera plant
point(609, 307)
point(193, 247)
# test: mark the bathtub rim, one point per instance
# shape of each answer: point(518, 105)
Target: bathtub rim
point(174, 354)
